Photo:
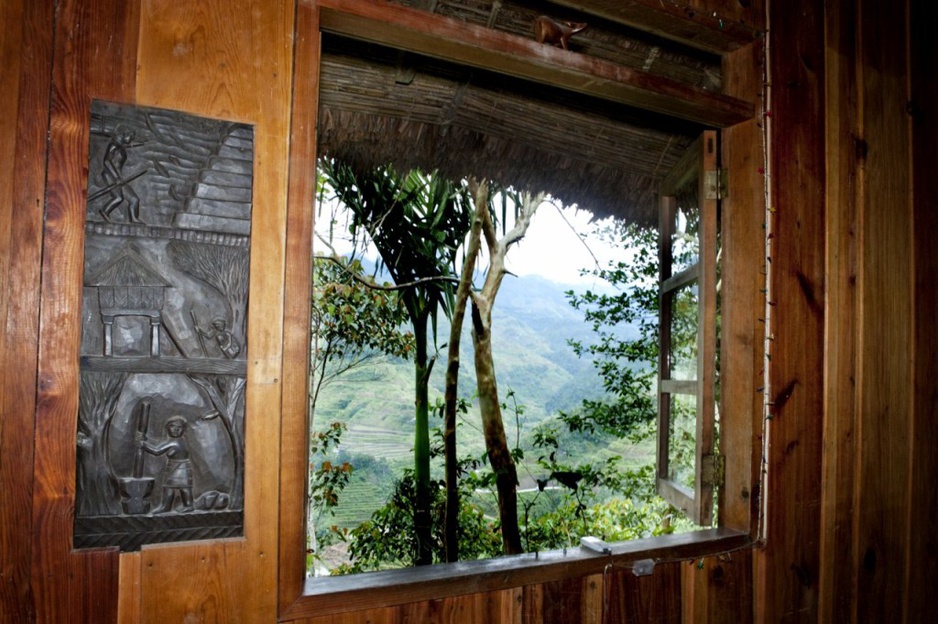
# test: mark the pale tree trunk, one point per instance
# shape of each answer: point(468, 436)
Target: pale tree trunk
point(451, 531)
point(496, 443)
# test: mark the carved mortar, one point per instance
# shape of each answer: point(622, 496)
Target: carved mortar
point(135, 494)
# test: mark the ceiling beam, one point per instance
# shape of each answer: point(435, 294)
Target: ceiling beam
point(469, 44)
point(712, 31)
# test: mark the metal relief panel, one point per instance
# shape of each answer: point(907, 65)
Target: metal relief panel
point(160, 441)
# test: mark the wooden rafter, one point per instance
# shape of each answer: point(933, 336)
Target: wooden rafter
point(473, 45)
point(704, 30)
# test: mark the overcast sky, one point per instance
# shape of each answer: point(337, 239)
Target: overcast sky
point(551, 248)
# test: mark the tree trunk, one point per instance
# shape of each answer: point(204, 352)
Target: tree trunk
point(451, 530)
point(506, 475)
point(422, 521)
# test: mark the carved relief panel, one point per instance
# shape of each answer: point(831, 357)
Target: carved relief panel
point(160, 441)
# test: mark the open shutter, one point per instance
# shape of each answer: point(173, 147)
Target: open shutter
point(687, 465)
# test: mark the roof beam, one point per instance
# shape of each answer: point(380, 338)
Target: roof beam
point(711, 31)
point(477, 46)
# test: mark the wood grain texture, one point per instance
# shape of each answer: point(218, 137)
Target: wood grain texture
point(232, 60)
point(502, 607)
point(718, 589)
point(742, 278)
point(294, 448)
point(95, 46)
point(884, 315)
point(366, 591)
point(838, 574)
point(25, 73)
point(655, 598)
point(128, 603)
point(786, 570)
point(922, 518)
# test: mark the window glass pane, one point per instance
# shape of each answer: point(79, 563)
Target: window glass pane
point(684, 315)
point(682, 439)
point(685, 240)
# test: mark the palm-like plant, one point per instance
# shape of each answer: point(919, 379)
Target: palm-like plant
point(417, 221)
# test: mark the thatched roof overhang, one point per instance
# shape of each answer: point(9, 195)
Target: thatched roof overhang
point(379, 106)
point(462, 87)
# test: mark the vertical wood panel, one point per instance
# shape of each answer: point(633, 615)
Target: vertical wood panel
point(94, 58)
point(128, 603)
point(786, 570)
point(557, 601)
point(294, 446)
point(922, 515)
point(232, 60)
point(742, 301)
point(844, 142)
point(655, 599)
point(498, 607)
point(720, 589)
point(25, 73)
point(885, 314)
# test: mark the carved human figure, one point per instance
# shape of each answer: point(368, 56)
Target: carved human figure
point(119, 190)
point(223, 337)
point(177, 475)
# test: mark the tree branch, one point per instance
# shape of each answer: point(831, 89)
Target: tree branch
point(423, 280)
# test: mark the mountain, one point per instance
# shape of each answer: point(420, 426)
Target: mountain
point(531, 323)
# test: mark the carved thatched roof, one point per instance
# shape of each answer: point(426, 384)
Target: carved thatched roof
point(379, 106)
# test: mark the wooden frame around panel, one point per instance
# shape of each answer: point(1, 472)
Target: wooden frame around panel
point(422, 32)
point(699, 160)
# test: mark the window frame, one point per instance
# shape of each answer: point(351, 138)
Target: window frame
point(699, 164)
point(299, 597)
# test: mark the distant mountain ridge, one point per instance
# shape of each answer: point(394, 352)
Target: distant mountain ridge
point(531, 323)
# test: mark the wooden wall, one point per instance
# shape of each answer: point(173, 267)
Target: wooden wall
point(218, 58)
point(851, 531)
point(879, 457)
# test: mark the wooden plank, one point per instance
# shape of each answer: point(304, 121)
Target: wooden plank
point(706, 333)
point(557, 601)
point(477, 46)
point(711, 30)
point(95, 48)
point(128, 603)
point(742, 275)
point(301, 196)
point(685, 277)
point(26, 61)
point(786, 570)
point(718, 590)
point(366, 591)
point(838, 572)
point(232, 60)
point(885, 309)
point(654, 599)
point(922, 515)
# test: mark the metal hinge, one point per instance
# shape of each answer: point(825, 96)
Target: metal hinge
point(716, 184)
point(714, 470)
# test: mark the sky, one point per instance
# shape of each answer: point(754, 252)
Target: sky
point(551, 248)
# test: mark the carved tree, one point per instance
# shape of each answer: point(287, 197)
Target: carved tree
point(97, 405)
point(225, 269)
point(226, 392)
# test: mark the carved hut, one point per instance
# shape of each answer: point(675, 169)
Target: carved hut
point(127, 287)
point(828, 505)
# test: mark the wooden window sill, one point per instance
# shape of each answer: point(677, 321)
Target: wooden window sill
point(337, 594)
